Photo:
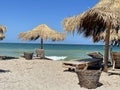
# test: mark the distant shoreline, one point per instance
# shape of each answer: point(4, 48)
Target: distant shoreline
point(47, 43)
point(56, 51)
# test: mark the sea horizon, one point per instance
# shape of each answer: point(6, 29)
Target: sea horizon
point(53, 51)
point(52, 43)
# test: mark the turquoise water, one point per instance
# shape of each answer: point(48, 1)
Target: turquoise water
point(54, 51)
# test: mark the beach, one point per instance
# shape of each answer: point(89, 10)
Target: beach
point(42, 74)
point(38, 24)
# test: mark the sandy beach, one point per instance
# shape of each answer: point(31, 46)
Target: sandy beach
point(21, 74)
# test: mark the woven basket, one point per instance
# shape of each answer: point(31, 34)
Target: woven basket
point(88, 78)
point(28, 56)
point(40, 53)
point(116, 59)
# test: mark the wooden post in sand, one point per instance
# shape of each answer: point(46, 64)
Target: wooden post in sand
point(106, 52)
point(41, 45)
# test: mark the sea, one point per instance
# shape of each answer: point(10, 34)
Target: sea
point(53, 51)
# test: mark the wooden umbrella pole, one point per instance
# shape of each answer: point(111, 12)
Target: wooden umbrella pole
point(106, 54)
point(111, 46)
point(41, 45)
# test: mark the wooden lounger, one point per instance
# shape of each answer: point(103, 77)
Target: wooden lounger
point(81, 64)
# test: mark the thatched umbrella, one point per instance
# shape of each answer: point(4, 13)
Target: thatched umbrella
point(72, 23)
point(114, 36)
point(44, 32)
point(2, 36)
point(103, 16)
point(2, 30)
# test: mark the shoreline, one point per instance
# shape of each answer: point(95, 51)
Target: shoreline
point(21, 74)
point(48, 43)
point(58, 52)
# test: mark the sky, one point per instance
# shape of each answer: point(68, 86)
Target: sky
point(23, 15)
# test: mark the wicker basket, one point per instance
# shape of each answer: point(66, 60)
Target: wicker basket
point(116, 59)
point(28, 56)
point(88, 78)
point(40, 53)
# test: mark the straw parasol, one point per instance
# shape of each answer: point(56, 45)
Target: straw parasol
point(72, 23)
point(114, 38)
point(104, 16)
point(2, 30)
point(42, 31)
point(2, 36)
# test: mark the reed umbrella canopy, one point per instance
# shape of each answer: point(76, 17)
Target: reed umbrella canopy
point(2, 30)
point(104, 16)
point(72, 23)
point(94, 20)
point(2, 36)
point(44, 32)
point(114, 36)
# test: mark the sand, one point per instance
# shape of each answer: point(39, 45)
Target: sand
point(21, 74)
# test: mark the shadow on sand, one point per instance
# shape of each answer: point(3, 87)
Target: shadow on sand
point(7, 57)
point(4, 71)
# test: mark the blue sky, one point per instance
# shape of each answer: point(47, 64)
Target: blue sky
point(23, 15)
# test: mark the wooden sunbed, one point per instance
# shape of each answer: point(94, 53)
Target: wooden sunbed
point(81, 64)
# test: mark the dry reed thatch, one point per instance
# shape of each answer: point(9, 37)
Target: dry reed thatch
point(93, 21)
point(2, 29)
point(114, 36)
point(72, 23)
point(2, 36)
point(42, 31)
